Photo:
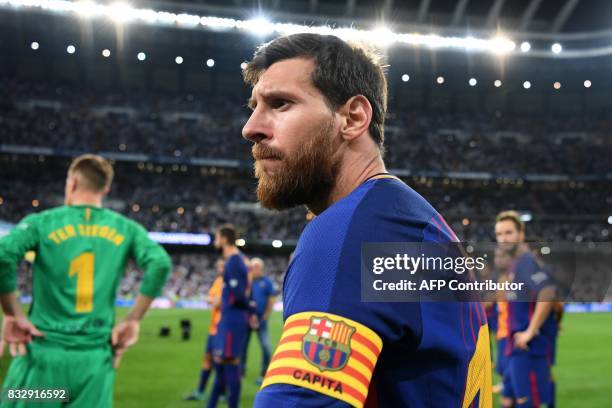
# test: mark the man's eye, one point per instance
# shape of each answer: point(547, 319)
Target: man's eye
point(279, 103)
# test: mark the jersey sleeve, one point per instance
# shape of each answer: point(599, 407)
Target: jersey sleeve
point(535, 277)
point(22, 238)
point(153, 259)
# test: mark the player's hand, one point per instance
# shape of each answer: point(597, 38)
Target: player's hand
point(522, 339)
point(254, 322)
point(124, 335)
point(17, 332)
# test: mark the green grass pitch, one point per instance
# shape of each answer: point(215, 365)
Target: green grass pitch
point(157, 372)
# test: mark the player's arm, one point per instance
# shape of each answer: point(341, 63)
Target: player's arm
point(13, 247)
point(125, 334)
point(542, 309)
point(153, 259)
point(269, 308)
point(302, 375)
point(272, 293)
point(17, 330)
point(538, 281)
point(156, 264)
point(237, 282)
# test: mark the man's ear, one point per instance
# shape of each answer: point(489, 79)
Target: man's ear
point(74, 184)
point(357, 115)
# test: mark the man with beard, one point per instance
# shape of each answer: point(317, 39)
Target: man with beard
point(527, 381)
point(318, 107)
point(232, 329)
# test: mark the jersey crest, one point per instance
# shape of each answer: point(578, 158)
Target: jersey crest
point(327, 343)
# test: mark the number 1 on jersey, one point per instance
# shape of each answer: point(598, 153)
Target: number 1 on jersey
point(83, 267)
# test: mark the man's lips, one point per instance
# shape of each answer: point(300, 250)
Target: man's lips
point(269, 164)
point(267, 159)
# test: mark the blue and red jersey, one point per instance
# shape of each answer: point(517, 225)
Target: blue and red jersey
point(337, 351)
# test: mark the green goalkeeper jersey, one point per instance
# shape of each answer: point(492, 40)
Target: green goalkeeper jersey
point(81, 256)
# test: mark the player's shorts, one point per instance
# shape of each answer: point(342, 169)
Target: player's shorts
point(86, 373)
point(231, 336)
point(500, 366)
point(527, 380)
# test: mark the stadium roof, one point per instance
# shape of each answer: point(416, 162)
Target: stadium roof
point(552, 16)
point(542, 28)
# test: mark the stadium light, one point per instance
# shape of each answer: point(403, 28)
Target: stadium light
point(260, 26)
point(545, 250)
point(34, 45)
point(210, 63)
point(587, 84)
point(382, 36)
point(556, 48)
point(557, 85)
point(277, 243)
point(472, 82)
point(178, 60)
point(106, 53)
point(440, 80)
point(526, 84)
point(525, 46)
point(405, 78)
point(124, 13)
point(141, 56)
point(71, 49)
point(243, 65)
point(497, 83)
point(240, 242)
point(610, 220)
point(526, 217)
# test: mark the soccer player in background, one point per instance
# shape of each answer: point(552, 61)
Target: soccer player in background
point(228, 343)
point(318, 108)
point(263, 293)
point(527, 371)
point(81, 253)
point(213, 298)
point(503, 262)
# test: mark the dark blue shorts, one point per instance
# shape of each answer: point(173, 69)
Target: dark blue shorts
point(527, 380)
point(231, 336)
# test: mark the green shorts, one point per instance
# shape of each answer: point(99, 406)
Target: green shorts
point(86, 373)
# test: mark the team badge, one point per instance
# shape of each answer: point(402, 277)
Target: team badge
point(327, 343)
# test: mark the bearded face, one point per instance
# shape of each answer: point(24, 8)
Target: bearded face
point(297, 177)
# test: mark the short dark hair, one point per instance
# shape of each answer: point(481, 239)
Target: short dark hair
point(513, 216)
point(228, 231)
point(97, 173)
point(342, 70)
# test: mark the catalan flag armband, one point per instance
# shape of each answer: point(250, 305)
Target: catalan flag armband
point(326, 353)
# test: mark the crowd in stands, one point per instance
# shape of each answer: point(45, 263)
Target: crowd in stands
point(193, 125)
